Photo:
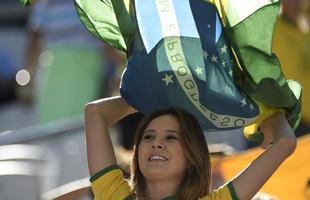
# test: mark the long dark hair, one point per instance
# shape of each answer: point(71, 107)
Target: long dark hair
point(196, 182)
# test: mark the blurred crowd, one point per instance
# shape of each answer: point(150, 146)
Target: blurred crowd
point(59, 67)
point(63, 66)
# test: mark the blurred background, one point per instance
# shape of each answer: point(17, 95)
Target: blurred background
point(50, 66)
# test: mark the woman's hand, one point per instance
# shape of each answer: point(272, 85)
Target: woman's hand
point(276, 128)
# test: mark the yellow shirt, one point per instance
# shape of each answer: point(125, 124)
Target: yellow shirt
point(293, 50)
point(109, 184)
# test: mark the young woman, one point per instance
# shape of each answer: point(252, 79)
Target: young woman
point(171, 158)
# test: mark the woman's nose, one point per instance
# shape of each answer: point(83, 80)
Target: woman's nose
point(158, 145)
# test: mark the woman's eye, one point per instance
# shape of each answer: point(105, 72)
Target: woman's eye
point(148, 137)
point(172, 137)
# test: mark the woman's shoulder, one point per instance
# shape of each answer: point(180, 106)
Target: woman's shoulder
point(110, 183)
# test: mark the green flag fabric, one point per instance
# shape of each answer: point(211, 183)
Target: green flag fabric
point(235, 11)
point(27, 2)
point(99, 18)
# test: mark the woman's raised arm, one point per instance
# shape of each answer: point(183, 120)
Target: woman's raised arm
point(278, 132)
point(99, 115)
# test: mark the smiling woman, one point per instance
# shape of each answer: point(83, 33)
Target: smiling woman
point(171, 148)
point(171, 158)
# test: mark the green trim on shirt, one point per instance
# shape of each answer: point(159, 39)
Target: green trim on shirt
point(102, 172)
point(232, 191)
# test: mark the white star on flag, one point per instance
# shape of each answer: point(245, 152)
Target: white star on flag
point(224, 49)
point(244, 103)
point(199, 70)
point(209, 26)
point(167, 79)
point(214, 58)
point(231, 72)
point(251, 106)
point(224, 63)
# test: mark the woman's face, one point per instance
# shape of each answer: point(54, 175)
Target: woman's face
point(160, 153)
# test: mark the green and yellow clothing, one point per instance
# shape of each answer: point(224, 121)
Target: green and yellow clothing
point(111, 184)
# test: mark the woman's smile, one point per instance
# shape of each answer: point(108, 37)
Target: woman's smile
point(157, 158)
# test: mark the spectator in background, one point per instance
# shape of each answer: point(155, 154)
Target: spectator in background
point(292, 46)
point(65, 62)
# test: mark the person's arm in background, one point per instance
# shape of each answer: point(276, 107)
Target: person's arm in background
point(278, 132)
point(33, 50)
point(99, 115)
point(35, 37)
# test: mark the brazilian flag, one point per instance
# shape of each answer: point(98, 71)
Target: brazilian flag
point(212, 58)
